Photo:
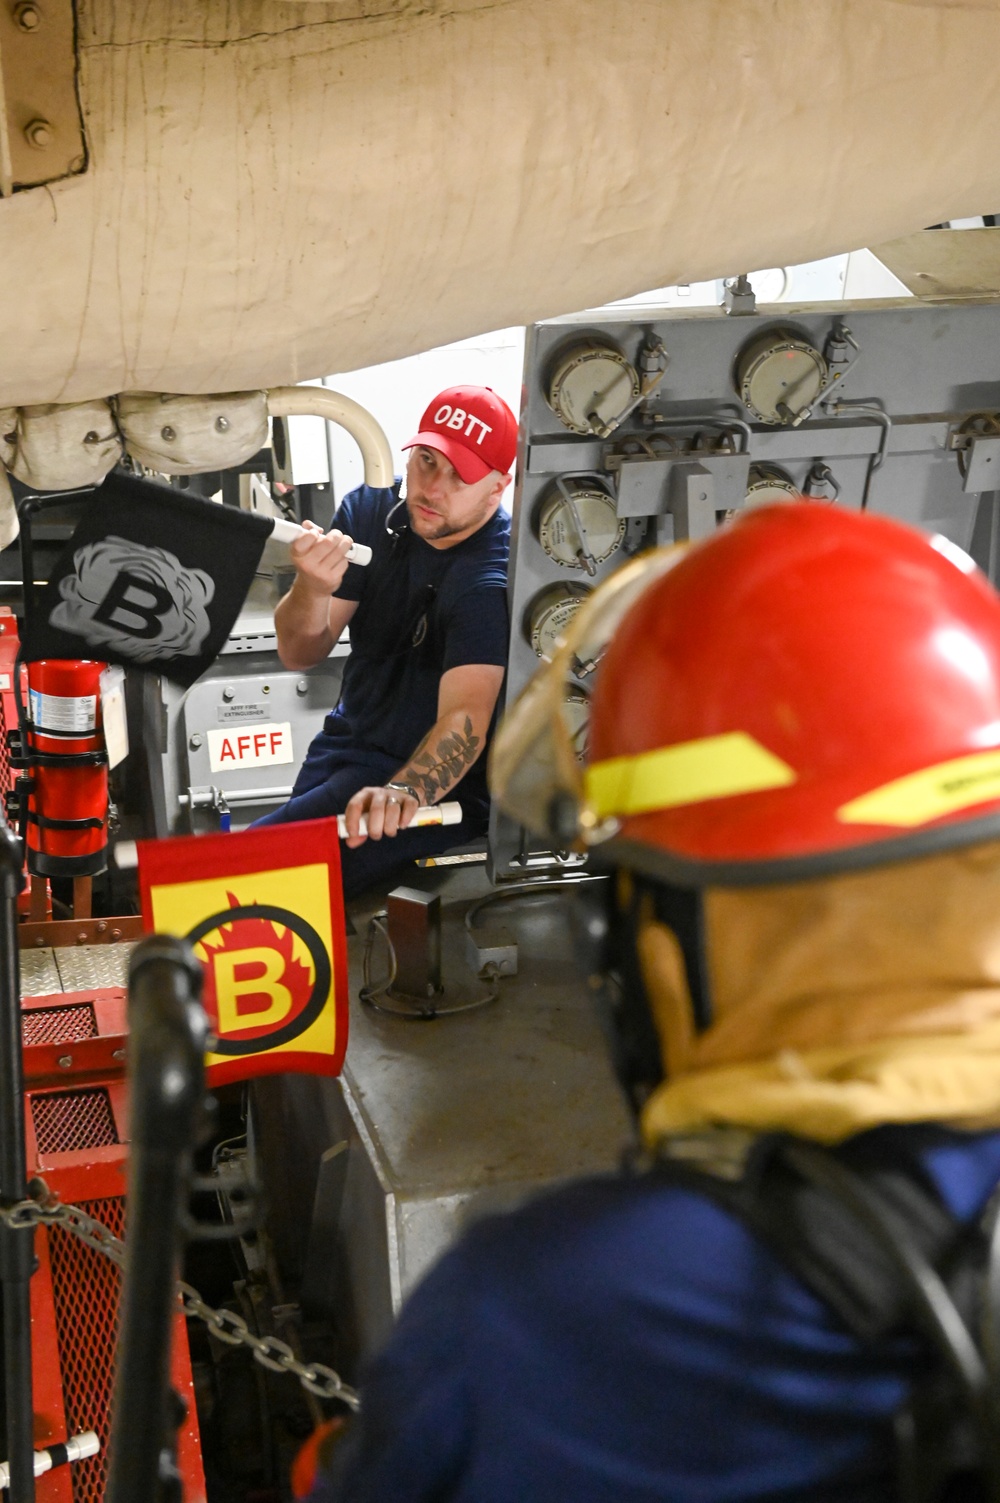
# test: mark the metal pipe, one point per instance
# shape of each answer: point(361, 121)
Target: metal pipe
point(866, 408)
point(717, 420)
point(17, 1246)
point(207, 798)
point(167, 1036)
point(319, 401)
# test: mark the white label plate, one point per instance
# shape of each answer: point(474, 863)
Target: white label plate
point(265, 745)
point(55, 712)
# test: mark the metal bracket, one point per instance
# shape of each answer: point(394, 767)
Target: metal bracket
point(491, 952)
point(976, 444)
point(651, 486)
point(739, 298)
point(41, 124)
point(414, 923)
point(693, 502)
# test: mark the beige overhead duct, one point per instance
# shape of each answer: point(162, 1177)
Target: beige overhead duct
point(277, 190)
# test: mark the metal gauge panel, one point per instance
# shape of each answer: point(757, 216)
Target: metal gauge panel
point(577, 524)
point(591, 385)
point(884, 399)
point(549, 614)
point(778, 375)
point(769, 482)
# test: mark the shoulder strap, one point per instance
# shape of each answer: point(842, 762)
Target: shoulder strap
point(875, 1243)
point(786, 1197)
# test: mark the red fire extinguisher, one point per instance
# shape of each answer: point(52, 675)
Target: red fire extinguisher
point(67, 809)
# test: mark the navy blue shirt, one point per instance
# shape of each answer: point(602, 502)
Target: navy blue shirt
point(421, 611)
point(624, 1340)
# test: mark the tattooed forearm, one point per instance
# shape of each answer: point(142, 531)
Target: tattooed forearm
point(440, 761)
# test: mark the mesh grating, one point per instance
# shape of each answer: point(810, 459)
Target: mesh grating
point(87, 1288)
point(65, 1121)
point(59, 1025)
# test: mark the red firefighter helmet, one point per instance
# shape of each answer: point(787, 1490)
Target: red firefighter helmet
point(809, 690)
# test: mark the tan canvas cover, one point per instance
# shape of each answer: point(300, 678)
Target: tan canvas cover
point(280, 190)
point(188, 435)
point(59, 448)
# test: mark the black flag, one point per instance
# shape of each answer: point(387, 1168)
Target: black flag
point(150, 578)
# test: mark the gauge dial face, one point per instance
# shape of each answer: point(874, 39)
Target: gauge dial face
point(576, 714)
point(778, 375)
point(767, 483)
point(591, 386)
point(550, 613)
point(559, 530)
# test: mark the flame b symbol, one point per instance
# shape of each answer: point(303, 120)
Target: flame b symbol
point(265, 967)
point(255, 961)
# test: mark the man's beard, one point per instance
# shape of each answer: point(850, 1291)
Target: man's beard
point(429, 531)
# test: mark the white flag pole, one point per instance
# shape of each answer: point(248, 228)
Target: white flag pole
point(287, 532)
point(126, 854)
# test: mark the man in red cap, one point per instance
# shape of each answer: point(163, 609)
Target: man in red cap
point(428, 623)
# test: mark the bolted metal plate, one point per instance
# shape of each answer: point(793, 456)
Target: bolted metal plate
point(39, 974)
point(982, 466)
point(41, 128)
point(84, 966)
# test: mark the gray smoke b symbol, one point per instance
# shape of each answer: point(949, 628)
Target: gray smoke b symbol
point(140, 601)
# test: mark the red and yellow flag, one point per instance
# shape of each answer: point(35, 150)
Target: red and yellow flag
point(264, 911)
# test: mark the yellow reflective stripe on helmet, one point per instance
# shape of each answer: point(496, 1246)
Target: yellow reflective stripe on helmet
point(934, 791)
point(712, 767)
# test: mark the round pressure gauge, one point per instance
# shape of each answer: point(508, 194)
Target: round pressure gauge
point(550, 613)
point(576, 714)
point(778, 375)
point(577, 524)
point(769, 482)
point(590, 387)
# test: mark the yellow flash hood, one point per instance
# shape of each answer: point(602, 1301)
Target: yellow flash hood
point(838, 1004)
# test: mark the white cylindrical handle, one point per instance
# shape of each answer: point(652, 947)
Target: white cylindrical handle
point(126, 853)
point(287, 532)
point(320, 401)
point(426, 815)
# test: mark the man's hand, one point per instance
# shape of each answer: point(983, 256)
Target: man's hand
point(309, 619)
point(320, 559)
point(389, 810)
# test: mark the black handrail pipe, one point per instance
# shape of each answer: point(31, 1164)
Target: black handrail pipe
point(166, 1050)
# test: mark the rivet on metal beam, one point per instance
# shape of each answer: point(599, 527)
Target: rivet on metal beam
point(27, 16)
point(38, 133)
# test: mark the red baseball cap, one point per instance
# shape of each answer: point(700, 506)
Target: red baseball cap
point(473, 428)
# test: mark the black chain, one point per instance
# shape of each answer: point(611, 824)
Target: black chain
point(272, 1353)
